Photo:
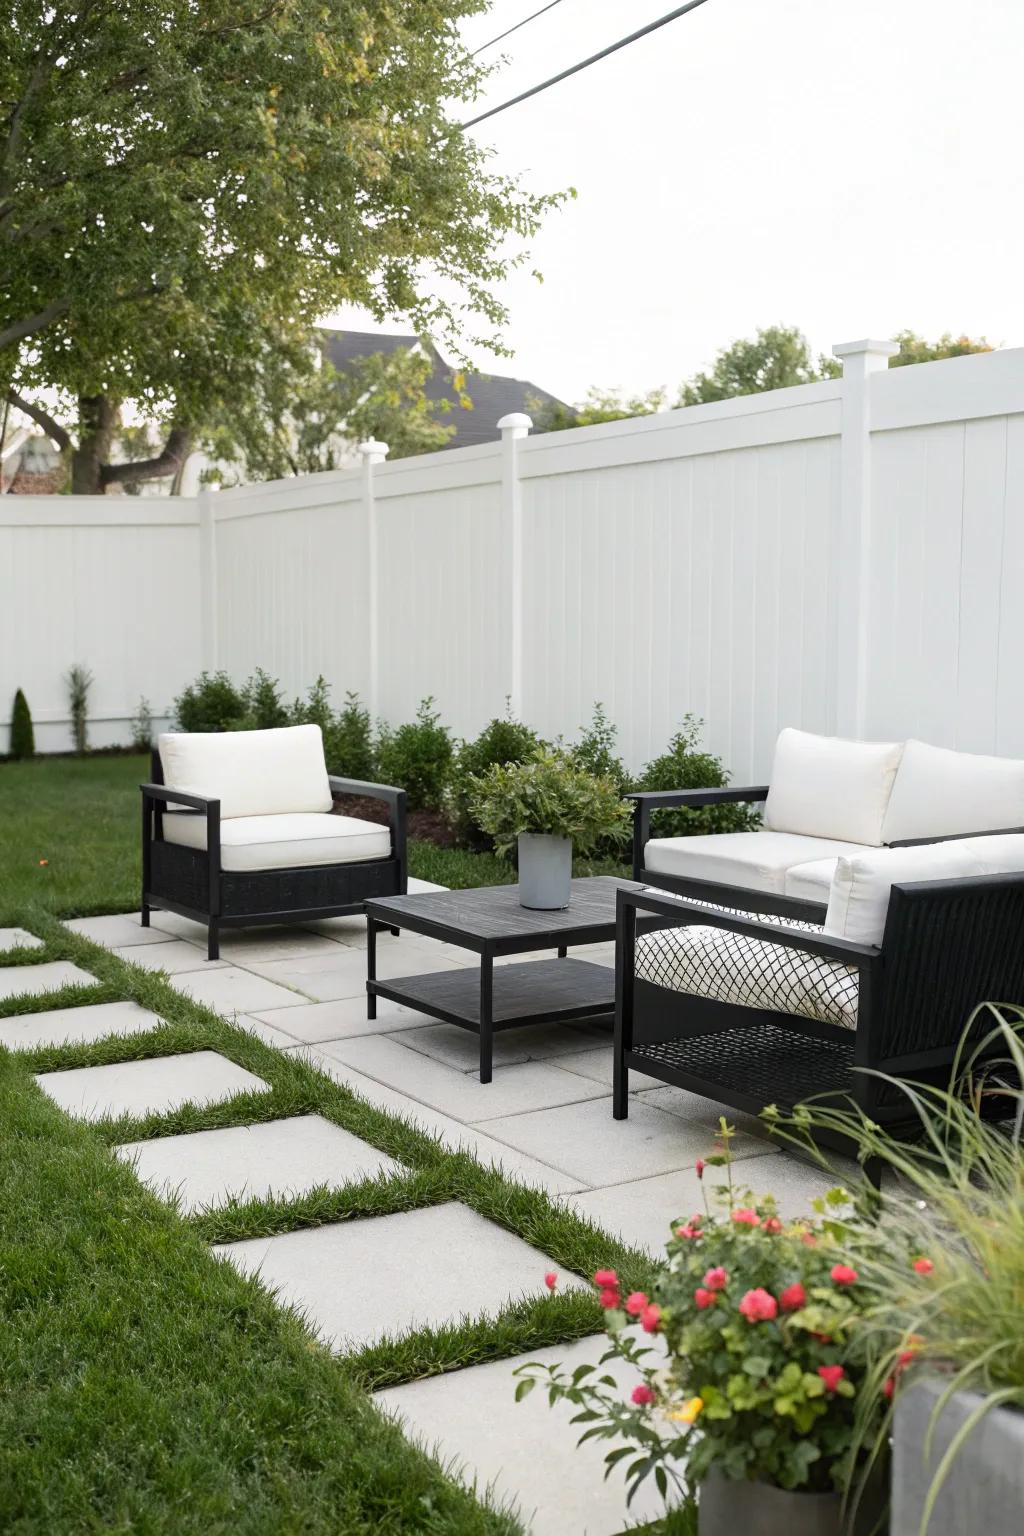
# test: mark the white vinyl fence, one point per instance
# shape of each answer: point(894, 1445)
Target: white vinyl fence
point(846, 556)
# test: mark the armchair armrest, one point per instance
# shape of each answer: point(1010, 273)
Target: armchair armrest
point(155, 799)
point(645, 801)
point(168, 796)
point(395, 800)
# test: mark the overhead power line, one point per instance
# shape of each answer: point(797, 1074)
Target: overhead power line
point(594, 58)
point(509, 30)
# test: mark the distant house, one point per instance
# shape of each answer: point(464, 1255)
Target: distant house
point(493, 395)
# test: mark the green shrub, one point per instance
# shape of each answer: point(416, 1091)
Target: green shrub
point(418, 758)
point(548, 794)
point(78, 681)
point(351, 741)
point(264, 707)
point(595, 751)
point(685, 766)
point(503, 740)
point(23, 737)
point(141, 726)
point(211, 703)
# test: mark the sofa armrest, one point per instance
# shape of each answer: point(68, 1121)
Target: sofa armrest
point(155, 800)
point(395, 800)
point(165, 795)
point(647, 800)
point(953, 837)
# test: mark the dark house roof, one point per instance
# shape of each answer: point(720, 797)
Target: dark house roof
point(493, 395)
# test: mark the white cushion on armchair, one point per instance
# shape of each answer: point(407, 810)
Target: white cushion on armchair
point(757, 861)
point(283, 842)
point(939, 793)
point(251, 773)
point(825, 786)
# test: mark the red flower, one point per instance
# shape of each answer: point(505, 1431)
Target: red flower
point(650, 1318)
point(842, 1274)
point(759, 1306)
point(831, 1375)
point(902, 1361)
point(550, 1279)
point(699, 1167)
point(643, 1396)
point(923, 1266)
point(889, 1387)
point(716, 1279)
point(773, 1224)
point(690, 1230)
point(793, 1298)
point(609, 1299)
point(636, 1303)
point(808, 1239)
point(704, 1298)
point(605, 1279)
point(745, 1218)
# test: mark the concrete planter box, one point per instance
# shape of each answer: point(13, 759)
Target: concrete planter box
point(727, 1508)
point(984, 1490)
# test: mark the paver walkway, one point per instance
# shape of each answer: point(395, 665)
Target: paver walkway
point(546, 1119)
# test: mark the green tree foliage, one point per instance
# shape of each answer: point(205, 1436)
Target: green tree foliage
point(599, 405)
point(776, 358)
point(685, 766)
point(185, 189)
point(418, 758)
point(914, 348)
point(211, 703)
point(23, 740)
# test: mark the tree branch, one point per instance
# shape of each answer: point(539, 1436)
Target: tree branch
point(167, 462)
point(32, 323)
point(42, 418)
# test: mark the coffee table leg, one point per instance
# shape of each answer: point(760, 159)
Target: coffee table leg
point(371, 966)
point(486, 1016)
point(562, 951)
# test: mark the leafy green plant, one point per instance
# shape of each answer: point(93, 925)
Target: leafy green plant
point(944, 1285)
point(352, 752)
point(211, 703)
point(265, 708)
point(502, 740)
point(762, 1374)
point(78, 680)
point(23, 738)
point(548, 793)
point(685, 766)
point(418, 758)
point(595, 751)
point(141, 726)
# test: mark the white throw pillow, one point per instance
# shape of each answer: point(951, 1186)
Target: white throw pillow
point(859, 897)
point(939, 793)
point(825, 786)
point(251, 773)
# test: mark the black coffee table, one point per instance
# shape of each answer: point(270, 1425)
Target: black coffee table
point(490, 922)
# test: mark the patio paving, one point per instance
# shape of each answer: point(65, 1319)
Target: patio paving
point(231, 990)
point(524, 1453)
point(172, 956)
point(354, 1281)
point(18, 938)
point(342, 1018)
point(342, 973)
point(248, 1162)
point(147, 1087)
point(120, 928)
point(50, 976)
point(75, 1026)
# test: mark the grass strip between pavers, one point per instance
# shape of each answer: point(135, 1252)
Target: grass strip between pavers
point(148, 1387)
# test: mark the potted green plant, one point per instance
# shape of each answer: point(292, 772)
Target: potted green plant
point(545, 808)
point(752, 1394)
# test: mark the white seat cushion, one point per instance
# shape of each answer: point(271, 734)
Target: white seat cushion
point(750, 972)
point(284, 842)
point(824, 786)
point(939, 793)
point(757, 861)
point(859, 900)
point(811, 882)
point(251, 773)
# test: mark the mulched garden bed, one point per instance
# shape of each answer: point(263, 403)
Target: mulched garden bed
point(427, 826)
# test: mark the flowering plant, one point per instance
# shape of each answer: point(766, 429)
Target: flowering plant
point(755, 1369)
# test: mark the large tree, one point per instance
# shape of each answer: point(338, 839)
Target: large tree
point(185, 187)
point(776, 358)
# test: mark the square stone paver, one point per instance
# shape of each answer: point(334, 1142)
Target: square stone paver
point(18, 938)
point(343, 973)
point(173, 956)
point(250, 1162)
point(251, 946)
point(587, 1142)
point(460, 1048)
point(268, 1033)
point(525, 1453)
point(230, 990)
point(533, 1085)
point(598, 1063)
point(148, 1087)
point(119, 928)
point(75, 1026)
point(341, 1019)
point(172, 925)
point(50, 976)
point(359, 1280)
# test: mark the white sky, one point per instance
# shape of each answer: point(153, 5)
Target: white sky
point(852, 167)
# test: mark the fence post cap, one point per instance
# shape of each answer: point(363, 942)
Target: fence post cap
point(517, 423)
point(869, 345)
point(373, 451)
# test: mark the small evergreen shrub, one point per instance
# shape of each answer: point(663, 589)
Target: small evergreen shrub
point(503, 740)
point(685, 766)
point(23, 737)
point(418, 758)
point(142, 726)
point(595, 751)
point(211, 703)
point(79, 680)
point(352, 749)
point(265, 709)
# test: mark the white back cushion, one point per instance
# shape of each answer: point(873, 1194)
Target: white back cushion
point(824, 786)
point(859, 896)
point(252, 773)
point(939, 793)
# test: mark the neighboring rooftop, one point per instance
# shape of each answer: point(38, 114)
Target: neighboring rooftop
point(493, 395)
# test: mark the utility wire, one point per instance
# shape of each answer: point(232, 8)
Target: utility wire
point(508, 33)
point(574, 69)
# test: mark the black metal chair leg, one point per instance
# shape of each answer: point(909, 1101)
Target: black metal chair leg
point(213, 940)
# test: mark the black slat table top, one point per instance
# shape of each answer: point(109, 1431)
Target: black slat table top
point(490, 916)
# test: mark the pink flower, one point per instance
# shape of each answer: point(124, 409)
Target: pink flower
point(636, 1303)
point(808, 1239)
point(773, 1224)
point(923, 1266)
point(831, 1375)
point(550, 1279)
point(842, 1274)
point(650, 1318)
point(699, 1167)
point(704, 1298)
point(793, 1298)
point(609, 1299)
point(606, 1279)
point(745, 1218)
point(716, 1279)
point(643, 1396)
point(689, 1230)
point(759, 1306)
point(890, 1386)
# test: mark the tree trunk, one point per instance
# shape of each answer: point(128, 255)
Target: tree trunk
point(97, 423)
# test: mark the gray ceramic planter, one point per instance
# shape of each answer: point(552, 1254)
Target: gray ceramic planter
point(983, 1495)
point(545, 871)
point(726, 1508)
